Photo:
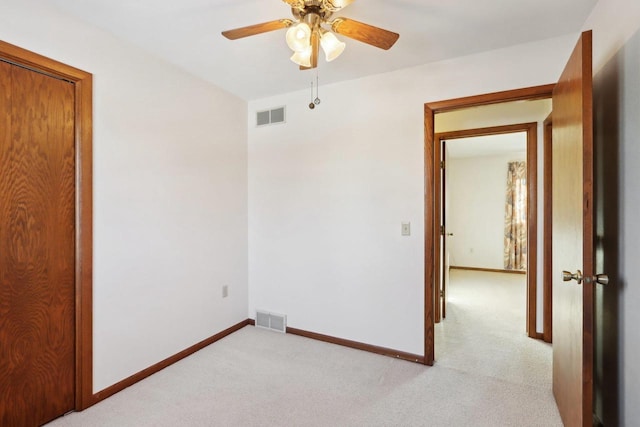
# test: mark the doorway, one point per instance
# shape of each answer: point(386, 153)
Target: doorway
point(432, 231)
point(572, 212)
point(488, 233)
point(46, 227)
point(485, 223)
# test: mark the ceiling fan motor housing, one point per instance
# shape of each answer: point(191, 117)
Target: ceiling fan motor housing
point(313, 20)
point(318, 13)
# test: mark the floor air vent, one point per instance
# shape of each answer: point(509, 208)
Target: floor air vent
point(272, 321)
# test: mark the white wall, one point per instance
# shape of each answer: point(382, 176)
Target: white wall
point(170, 188)
point(329, 189)
point(476, 190)
point(504, 113)
point(616, 45)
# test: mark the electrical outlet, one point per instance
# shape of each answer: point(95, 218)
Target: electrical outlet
point(225, 291)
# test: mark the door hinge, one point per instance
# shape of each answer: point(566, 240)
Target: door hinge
point(442, 230)
point(442, 164)
point(441, 293)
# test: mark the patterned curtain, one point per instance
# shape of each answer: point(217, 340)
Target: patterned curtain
point(515, 221)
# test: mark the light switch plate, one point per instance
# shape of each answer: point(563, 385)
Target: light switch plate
point(406, 229)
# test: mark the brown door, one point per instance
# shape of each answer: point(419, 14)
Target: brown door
point(439, 252)
point(444, 274)
point(572, 229)
point(37, 272)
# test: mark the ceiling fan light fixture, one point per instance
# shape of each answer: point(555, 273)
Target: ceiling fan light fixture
point(331, 46)
point(312, 28)
point(299, 37)
point(302, 57)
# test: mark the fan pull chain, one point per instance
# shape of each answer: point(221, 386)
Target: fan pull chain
point(317, 100)
point(311, 104)
point(314, 101)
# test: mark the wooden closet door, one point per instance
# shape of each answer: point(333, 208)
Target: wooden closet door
point(37, 235)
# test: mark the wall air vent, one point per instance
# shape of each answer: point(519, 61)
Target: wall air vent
point(273, 321)
point(269, 117)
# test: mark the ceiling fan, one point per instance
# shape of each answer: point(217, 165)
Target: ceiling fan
point(306, 33)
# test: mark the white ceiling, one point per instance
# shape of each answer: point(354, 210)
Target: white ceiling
point(187, 33)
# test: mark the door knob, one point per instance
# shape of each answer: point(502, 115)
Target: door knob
point(567, 276)
point(602, 279)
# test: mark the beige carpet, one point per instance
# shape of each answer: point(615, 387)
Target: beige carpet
point(487, 374)
point(485, 330)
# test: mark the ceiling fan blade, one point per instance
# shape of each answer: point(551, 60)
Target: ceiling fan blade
point(365, 33)
point(315, 48)
point(252, 30)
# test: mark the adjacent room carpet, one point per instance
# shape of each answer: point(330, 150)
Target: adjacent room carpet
point(487, 373)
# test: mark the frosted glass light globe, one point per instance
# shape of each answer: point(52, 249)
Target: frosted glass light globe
point(299, 37)
point(302, 57)
point(332, 46)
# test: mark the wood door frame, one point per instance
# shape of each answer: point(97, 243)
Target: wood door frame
point(430, 110)
point(438, 251)
point(531, 129)
point(547, 273)
point(441, 307)
point(83, 85)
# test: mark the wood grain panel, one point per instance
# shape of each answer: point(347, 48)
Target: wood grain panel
point(84, 240)
point(37, 250)
point(572, 232)
point(430, 234)
point(315, 49)
point(547, 273)
point(529, 93)
point(365, 33)
point(437, 234)
point(532, 229)
point(445, 229)
point(253, 30)
point(357, 345)
point(83, 82)
point(487, 270)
